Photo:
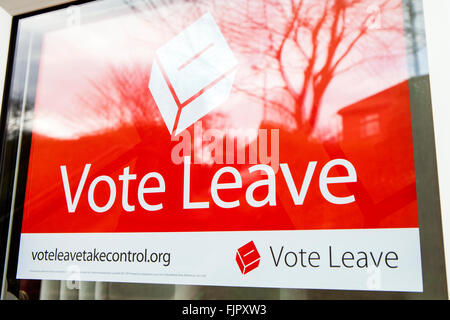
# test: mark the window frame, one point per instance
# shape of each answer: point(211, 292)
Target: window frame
point(426, 151)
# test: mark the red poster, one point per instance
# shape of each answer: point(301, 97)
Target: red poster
point(286, 124)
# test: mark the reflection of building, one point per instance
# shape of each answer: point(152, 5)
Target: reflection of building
point(377, 117)
point(377, 131)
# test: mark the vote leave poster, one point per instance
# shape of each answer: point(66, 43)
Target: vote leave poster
point(225, 143)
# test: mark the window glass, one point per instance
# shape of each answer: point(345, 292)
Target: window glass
point(145, 133)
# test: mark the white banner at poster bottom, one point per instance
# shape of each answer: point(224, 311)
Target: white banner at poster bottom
point(360, 259)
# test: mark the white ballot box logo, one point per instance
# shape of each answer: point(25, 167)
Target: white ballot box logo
point(192, 74)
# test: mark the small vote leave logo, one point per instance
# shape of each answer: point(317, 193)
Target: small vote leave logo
point(247, 257)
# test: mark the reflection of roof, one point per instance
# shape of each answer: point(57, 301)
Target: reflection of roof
point(374, 101)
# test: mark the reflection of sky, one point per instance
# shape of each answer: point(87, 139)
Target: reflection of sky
point(422, 58)
point(418, 61)
point(70, 59)
point(73, 56)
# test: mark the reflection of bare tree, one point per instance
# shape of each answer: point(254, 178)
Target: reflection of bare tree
point(309, 42)
point(123, 95)
point(297, 47)
point(331, 23)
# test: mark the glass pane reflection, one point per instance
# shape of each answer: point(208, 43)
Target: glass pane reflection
point(333, 76)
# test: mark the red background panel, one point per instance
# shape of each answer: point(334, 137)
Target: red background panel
point(102, 113)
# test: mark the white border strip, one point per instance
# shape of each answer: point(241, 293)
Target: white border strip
point(5, 35)
point(356, 259)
